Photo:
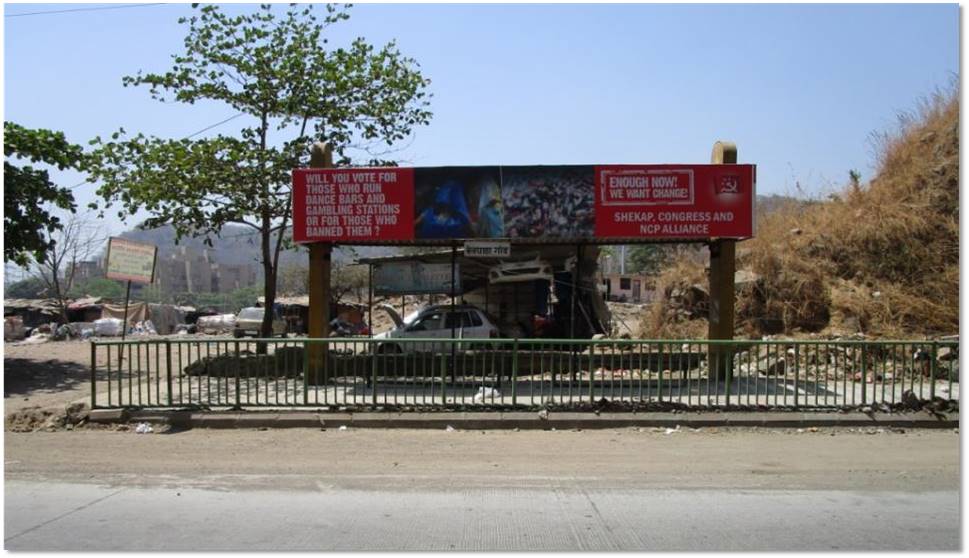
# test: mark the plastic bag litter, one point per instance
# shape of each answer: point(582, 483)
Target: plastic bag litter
point(543, 414)
point(37, 338)
point(669, 431)
point(144, 428)
point(344, 427)
point(107, 327)
point(486, 393)
point(449, 428)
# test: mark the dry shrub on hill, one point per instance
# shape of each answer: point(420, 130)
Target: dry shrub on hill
point(881, 258)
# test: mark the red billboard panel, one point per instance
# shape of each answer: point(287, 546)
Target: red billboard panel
point(353, 205)
point(674, 201)
point(524, 203)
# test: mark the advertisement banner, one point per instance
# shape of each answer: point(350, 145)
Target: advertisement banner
point(131, 261)
point(406, 278)
point(353, 204)
point(524, 203)
point(674, 201)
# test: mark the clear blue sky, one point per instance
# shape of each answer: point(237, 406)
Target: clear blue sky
point(800, 88)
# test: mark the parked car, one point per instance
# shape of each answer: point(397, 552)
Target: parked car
point(468, 322)
point(249, 323)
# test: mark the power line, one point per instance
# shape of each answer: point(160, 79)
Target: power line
point(207, 128)
point(85, 9)
point(190, 136)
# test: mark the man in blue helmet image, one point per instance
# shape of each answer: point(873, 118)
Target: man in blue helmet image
point(447, 216)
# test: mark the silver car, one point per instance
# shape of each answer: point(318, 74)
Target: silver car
point(249, 324)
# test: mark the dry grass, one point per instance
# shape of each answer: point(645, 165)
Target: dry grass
point(881, 258)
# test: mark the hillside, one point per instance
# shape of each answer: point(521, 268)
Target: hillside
point(880, 258)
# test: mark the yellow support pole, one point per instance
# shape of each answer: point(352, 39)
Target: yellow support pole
point(321, 157)
point(723, 265)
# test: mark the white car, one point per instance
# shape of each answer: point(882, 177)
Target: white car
point(468, 322)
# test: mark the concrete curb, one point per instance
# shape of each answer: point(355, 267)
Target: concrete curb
point(521, 420)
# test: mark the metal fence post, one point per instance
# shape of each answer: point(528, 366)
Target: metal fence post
point(514, 373)
point(238, 404)
point(797, 374)
point(373, 378)
point(94, 396)
point(168, 367)
point(932, 369)
point(443, 372)
point(306, 373)
point(726, 381)
point(864, 375)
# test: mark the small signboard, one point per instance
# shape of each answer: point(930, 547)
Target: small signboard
point(487, 249)
point(405, 278)
point(131, 261)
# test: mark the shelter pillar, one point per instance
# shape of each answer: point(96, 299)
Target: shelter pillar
point(722, 294)
point(321, 157)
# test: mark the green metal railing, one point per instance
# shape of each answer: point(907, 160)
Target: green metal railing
point(422, 374)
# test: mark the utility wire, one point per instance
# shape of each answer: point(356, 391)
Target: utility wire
point(190, 136)
point(84, 9)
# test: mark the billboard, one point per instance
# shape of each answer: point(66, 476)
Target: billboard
point(404, 278)
point(131, 261)
point(524, 203)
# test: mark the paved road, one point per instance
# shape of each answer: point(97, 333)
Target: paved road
point(561, 516)
point(420, 490)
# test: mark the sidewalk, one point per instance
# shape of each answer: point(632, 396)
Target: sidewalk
point(521, 420)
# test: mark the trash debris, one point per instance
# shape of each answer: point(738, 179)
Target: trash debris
point(543, 414)
point(343, 428)
point(486, 393)
point(449, 428)
point(107, 327)
point(669, 431)
point(143, 428)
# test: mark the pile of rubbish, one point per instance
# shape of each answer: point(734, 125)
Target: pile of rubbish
point(284, 362)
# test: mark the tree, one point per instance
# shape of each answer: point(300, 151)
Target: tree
point(278, 73)
point(31, 287)
point(28, 225)
point(294, 280)
point(648, 258)
point(74, 242)
point(99, 287)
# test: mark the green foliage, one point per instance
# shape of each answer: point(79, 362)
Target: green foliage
point(294, 280)
point(31, 287)
point(279, 74)
point(98, 287)
point(647, 258)
point(229, 303)
point(27, 223)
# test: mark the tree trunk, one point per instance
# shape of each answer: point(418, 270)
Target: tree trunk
point(269, 283)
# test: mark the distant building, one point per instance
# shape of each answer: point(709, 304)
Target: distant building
point(88, 270)
point(187, 270)
point(226, 278)
point(627, 288)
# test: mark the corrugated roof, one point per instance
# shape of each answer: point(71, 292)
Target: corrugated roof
point(37, 304)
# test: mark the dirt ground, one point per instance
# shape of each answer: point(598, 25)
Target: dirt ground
point(836, 459)
point(52, 374)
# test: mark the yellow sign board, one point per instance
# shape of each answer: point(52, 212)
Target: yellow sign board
point(131, 261)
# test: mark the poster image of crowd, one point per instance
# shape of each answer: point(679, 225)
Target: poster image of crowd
point(548, 202)
point(458, 202)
